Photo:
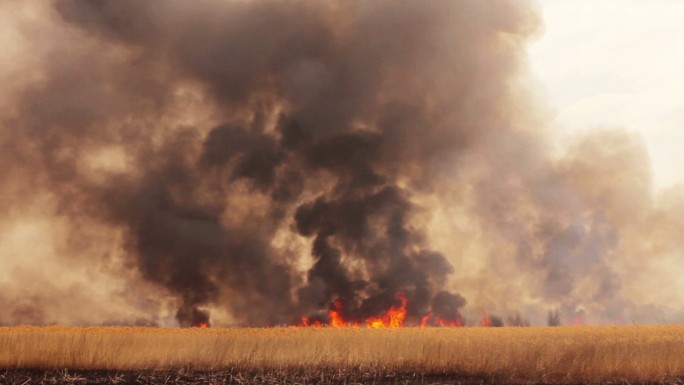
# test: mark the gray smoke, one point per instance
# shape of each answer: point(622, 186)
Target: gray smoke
point(263, 159)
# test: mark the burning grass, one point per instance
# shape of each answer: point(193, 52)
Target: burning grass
point(543, 355)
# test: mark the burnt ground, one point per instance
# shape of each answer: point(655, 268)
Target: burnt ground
point(243, 377)
point(237, 377)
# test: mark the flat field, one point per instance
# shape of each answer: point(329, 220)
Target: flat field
point(509, 354)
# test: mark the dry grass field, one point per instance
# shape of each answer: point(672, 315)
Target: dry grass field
point(524, 354)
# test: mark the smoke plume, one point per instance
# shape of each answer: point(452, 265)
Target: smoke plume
point(249, 162)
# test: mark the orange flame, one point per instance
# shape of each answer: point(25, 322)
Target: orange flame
point(579, 318)
point(425, 319)
point(336, 319)
point(202, 325)
point(393, 318)
point(457, 323)
point(443, 322)
point(485, 321)
point(306, 323)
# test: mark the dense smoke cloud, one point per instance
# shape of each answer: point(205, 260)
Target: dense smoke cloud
point(251, 162)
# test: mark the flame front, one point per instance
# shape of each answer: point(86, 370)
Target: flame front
point(579, 318)
point(439, 321)
point(485, 321)
point(307, 323)
point(424, 321)
point(394, 317)
point(335, 315)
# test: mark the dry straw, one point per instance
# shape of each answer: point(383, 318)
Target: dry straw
point(564, 354)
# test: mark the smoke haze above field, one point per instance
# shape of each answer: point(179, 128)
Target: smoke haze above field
point(250, 162)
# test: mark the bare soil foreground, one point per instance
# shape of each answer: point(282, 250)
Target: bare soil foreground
point(234, 377)
point(627, 354)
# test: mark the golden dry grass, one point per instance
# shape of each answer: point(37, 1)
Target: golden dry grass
point(564, 354)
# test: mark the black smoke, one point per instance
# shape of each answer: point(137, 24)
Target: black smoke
point(321, 121)
point(261, 159)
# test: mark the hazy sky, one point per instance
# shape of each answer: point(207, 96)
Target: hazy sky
point(618, 63)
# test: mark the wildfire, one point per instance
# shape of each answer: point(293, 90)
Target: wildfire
point(202, 325)
point(579, 318)
point(396, 315)
point(443, 322)
point(485, 321)
point(335, 315)
point(314, 324)
point(424, 321)
point(393, 318)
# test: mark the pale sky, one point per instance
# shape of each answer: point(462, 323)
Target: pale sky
point(617, 63)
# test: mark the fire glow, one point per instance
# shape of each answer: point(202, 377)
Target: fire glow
point(394, 317)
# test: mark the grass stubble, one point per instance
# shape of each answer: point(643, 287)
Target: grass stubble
point(95, 355)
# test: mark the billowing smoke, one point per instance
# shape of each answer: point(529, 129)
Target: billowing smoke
point(249, 162)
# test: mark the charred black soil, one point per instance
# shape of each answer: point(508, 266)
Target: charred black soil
point(236, 376)
point(265, 377)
